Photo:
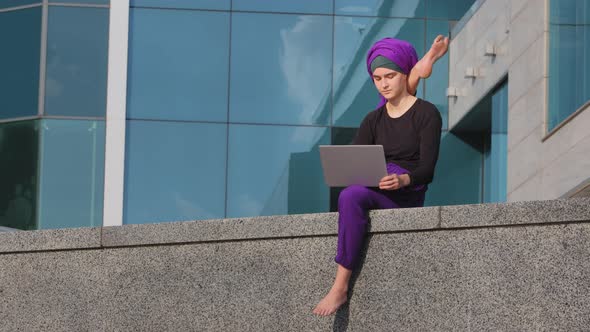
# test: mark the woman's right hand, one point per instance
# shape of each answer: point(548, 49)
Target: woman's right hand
point(394, 181)
point(389, 182)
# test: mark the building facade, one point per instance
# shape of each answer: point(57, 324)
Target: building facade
point(155, 110)
point(539, 52)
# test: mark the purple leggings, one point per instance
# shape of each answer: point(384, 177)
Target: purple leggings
point(354, 204)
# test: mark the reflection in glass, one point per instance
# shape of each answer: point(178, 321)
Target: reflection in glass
point(569, 64)
point(457, 160)
point(174, 171)
point(299, 6)
point(183, 4)
point(280, 69)
point(72, 173)
point(389, 8)
point(496, 154)
point(569, 12)
point(170, 76)
point(275, 170)
point(354, 92)
point(448, 9)
point(77, 41)
point(16, 3)
point(436, 85)
point(90, 2)
point(18, 174)
point(20, 36)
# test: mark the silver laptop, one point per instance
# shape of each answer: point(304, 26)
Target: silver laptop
point(346, 165)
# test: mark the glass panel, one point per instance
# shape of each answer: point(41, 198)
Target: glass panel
point(275, 170)
point(77, 43)
point(569, 70)
point(72, 173)
point(299, 6)
point(354, 92)
point(174, 171)
point(448, 9)
point(569, 12)
point(392, 8)
point(16, 3)
point(20, 37)
point(496, 159)
point(457, 160)
point(18, 174)
point(436, 85)
point(96, 2)
point(188, 4)
point(170, 76)
point(281, 69)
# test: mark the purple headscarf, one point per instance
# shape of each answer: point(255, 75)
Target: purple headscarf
point(400, 52)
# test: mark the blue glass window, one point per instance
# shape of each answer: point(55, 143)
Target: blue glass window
point(448, 9)
point(72, 173)
point(275, 170)
point(354, 92)
point(20, 36)
point(90, 2)
point(436, 85)
point(569, 54)
point(392, 8)
point(569, 12)
point(19, 143)
point(77, 43)
point(496, 154)
point(183, 4)
point(299, 6)
point(457, 160)
point(16, 3)
point(281, 69)
point(174, 171)
point(178, 65)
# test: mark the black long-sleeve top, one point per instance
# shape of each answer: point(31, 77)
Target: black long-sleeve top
point(411, 141)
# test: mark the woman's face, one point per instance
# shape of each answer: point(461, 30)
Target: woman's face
point(389, 83)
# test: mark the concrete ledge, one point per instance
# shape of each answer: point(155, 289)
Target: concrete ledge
point(405, 219)
point(58, 239)
point(430, 269)
point(518, 213)
point(302, 225)
point(293, 226)
point(221, 230)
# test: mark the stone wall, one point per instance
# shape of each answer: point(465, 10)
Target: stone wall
point(517, 266)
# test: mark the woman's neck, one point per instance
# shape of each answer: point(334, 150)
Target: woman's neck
point(399, 105)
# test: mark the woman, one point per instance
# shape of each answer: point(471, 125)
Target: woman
point(409, 129)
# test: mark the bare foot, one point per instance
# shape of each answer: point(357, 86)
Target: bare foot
point(437, 50)
point(331, 302)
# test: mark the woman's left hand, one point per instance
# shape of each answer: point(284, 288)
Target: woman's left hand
point(394, 182)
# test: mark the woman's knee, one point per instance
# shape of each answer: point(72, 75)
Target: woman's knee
point(353, 194)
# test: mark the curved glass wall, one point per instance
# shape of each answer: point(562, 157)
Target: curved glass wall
point(52, 165)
